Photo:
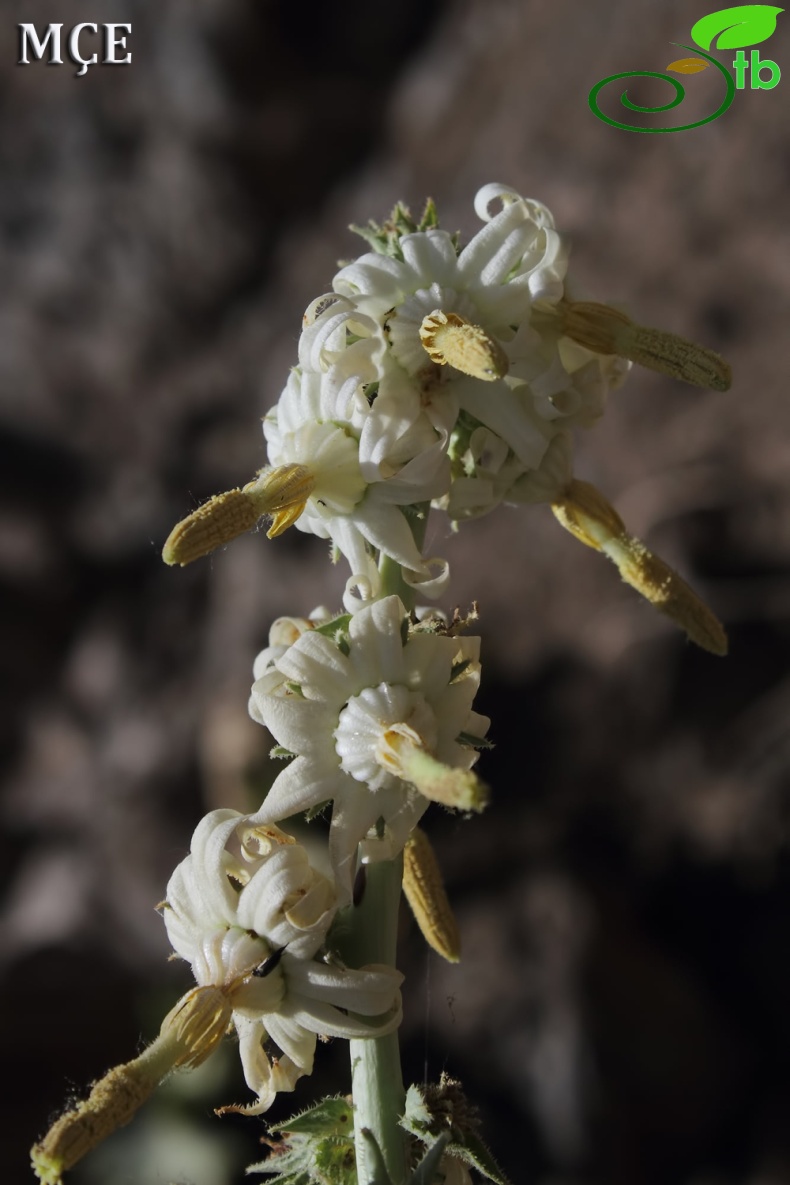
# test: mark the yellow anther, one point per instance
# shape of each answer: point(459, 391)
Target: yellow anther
point(196, 1024)
point(280, 493)
point(451, 340)
point(605, 330)
point(425, 893)
point(584, 512)
point(217, 521)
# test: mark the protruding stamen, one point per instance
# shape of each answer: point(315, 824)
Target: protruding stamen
point(451, 340)
point(584, 512)
point(605, 330)
point(280, 493)
point(425, 893)
point(283, 494)
point(189, 1033)
point(408, 759)
point(196, 1025)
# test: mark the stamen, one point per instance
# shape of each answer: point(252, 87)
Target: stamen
point(425, 893)
point(188, 1034)
point(459, 789)
point(605, 330)
point(281, 493)
point(451, 340)
point(584, 512)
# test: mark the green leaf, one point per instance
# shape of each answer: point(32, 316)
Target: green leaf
point(746, 24)
point(417, 1119)
point(380, 1176)
point(330, 1117)
point(313, 812)
point(278, 752)
point(337, 624)
point(472, 742)
point(474, 1152)
point(426, 1170)
point(430, 216)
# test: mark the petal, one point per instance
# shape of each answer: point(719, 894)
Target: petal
point(301, 726)
point(424, 477)
point(263, 902)
point(506, 413)
point(386, 528)
point(432, 258)
point(371, 991)
point(319, 667)
point(199, 889)
point(350, 541)
point(491, 254)
point(428, 663)
point(331, 1022)
point(356, 810)
point(404, 809)
point(296, 1042)
point(255, 1064)
point(376, 652)
point(301, 785)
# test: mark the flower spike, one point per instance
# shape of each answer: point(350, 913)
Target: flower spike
point(584, 512)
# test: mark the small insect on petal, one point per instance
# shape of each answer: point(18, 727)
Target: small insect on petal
point(451, 340)
point(270, 964)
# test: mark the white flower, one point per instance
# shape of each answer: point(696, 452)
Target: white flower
point(317, 424)
point(517, 261)
point(248, 912)
point(378, 717)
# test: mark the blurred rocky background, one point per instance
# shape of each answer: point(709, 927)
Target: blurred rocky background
point(621, 1012)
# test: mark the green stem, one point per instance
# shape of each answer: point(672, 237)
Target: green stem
point(376, 1081)
point(390, 571)
point(372, 937)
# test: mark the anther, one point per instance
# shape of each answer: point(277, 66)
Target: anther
point(605, 330)
point(280, 493)
point(584, 512)
point(425, 893)
point(451, 340)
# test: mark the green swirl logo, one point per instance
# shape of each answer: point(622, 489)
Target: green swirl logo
point(731, 28)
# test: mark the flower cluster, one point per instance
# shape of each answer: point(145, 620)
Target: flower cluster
point(375, 712)
point(439, 375)
point(377, 716)
point(249, 913)
point(432, 374)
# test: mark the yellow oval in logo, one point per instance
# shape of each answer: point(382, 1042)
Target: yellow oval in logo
point(688, 65)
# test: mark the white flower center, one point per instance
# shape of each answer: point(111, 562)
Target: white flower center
point(405, 322)
point(375, 725)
